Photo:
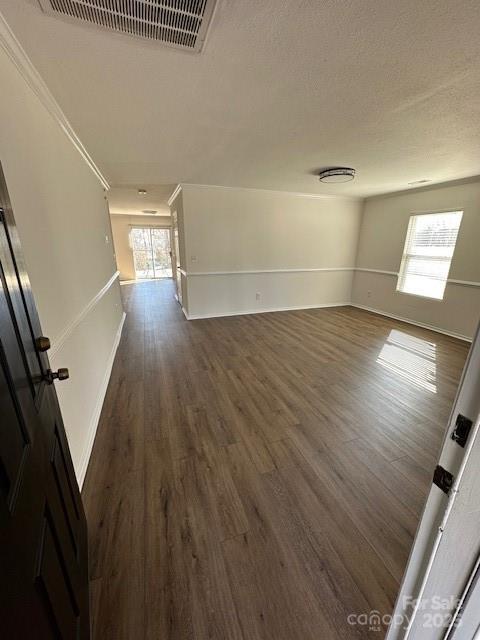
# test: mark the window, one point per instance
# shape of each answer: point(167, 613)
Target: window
point(428, 252)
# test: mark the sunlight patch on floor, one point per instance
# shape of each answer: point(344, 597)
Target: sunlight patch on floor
point(410, 358)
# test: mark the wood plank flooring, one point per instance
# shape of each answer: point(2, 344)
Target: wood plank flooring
point(260, 477)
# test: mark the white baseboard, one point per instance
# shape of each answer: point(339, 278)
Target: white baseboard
point(250, 312)
point(423, 325)
point(92, 428)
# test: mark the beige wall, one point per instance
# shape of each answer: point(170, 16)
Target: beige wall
point(62, 219)
point(121, 225)
point(380, 247)
point(251, 250)
point(302, 248)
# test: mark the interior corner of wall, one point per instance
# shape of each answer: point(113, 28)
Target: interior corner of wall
point(363, 206)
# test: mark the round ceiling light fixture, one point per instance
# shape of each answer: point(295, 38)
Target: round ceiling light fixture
point(336, 174)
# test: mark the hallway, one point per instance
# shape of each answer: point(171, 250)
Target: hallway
point(260, 476)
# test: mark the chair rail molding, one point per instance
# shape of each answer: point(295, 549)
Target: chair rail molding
point(464, 283)
point(190, 274)
point(382, 271)
point(60, 340)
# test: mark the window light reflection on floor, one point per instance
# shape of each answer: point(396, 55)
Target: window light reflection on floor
point(410, 358)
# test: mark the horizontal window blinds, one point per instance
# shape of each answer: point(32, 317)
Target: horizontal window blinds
point(428, 252)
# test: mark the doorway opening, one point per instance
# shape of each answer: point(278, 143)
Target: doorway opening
point(152, 256)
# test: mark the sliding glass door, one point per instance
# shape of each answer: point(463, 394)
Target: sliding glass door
point(151, 252)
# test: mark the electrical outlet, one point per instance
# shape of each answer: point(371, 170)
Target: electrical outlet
point(193, 258)
point(369, 294)
point(257, 296)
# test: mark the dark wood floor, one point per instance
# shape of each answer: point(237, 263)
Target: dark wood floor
point(262, 476)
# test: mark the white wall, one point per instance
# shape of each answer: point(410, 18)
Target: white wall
point(381, 242)
point(121, 225)
point(61, 214)
point(302, 250)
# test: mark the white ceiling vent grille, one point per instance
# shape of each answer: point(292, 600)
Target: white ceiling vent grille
point(177, 23)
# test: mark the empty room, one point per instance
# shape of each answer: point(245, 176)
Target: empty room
point(239, 298)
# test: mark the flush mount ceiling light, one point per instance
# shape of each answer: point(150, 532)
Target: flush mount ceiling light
point(142, 192)
point(336, 174)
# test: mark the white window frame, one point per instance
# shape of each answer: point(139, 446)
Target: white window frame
point(406, 254)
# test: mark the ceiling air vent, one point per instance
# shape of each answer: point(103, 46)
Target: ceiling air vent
point(177, 23)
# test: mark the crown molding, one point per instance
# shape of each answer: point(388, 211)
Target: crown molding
point(433, 186)
point(23, 64)
point(317, 196)
point(178, 189)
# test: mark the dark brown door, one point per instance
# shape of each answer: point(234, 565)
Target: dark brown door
point(43, 541)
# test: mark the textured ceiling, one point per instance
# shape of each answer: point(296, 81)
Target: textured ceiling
point(281, 88)
point(126, 199)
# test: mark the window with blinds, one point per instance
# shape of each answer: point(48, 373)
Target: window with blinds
point(428, 252)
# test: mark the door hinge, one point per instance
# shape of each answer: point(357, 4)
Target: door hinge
point(461, 430)
point(443, 479)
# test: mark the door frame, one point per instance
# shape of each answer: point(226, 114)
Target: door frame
point(430, 569)
point(176, 264)
point(150, 227)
